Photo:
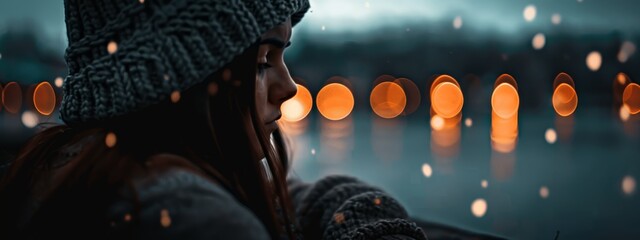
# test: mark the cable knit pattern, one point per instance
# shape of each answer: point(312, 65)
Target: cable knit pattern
point(383, 229)
point(162, 46)
point(340, 207)
point(370, 215)
point(199, 209)
point(320, 188)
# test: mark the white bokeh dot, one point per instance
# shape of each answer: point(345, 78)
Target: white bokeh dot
point(457, 22)
point(479, 207)
point(529, 13)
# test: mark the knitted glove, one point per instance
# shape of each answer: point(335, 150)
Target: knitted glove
point(339, 206)
point(371, 215)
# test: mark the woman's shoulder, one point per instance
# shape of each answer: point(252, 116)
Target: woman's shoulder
point(181, 203)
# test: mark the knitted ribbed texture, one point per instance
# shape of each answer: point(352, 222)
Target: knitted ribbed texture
point(320, 188)
point(381, 229)
point(340, 207)
point(370, 215)
point(162, 46)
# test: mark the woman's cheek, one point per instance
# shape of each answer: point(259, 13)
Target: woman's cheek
point(261, 91)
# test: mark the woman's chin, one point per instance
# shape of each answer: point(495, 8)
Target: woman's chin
point(271, 127)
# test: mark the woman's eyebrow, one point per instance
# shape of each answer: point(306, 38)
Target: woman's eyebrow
point(276, 42)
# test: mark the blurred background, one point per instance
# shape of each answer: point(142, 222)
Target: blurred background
point(514, 118)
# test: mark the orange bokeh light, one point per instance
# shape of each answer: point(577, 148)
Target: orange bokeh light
point(624, 113)
point(622, 78)
point(383, 78)
point(298, 107)
point(446, 133)
point(505, 103)
point(503, 163)
point(388, 100)
point(505, 100)
point(12, 97)
point(446, 97)
point(335, 101)
point(44, 98)
point(504, 133)
point(336, 140)
point(631, 98)
point(445, 138)
point(565, 100)
point(620, 82)
point(413, 95)
point(564, 127)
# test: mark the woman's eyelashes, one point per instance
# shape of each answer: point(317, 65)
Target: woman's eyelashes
point(273, 56)
point(264, 63)
point(263, 66)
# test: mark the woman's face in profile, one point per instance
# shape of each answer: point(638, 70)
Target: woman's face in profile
point(274, 84)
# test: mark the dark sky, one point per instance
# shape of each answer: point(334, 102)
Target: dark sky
point(504, 16)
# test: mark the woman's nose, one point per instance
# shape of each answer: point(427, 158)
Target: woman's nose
point(282, 88)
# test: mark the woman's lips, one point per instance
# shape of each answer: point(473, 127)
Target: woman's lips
point(271, 127)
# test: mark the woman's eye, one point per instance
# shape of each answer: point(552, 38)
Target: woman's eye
point(263, 66)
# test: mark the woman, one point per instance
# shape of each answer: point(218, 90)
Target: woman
point(170, 110)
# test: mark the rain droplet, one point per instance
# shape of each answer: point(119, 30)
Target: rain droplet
point(626, 50)
point(479, 207)
point(29, 119)
point(112, 47)
point(226, 74)
point(339, 218)
point(551, 136)
point(529, 13)
point(58, 82)
point(625, 113)
point(175, 96)
point(110, 140)
point(594, 61)
point(468, 122)
point(427, 171)
point(628, 185)
point(457, 22)
point(212, 89)
point(538, 41)
point(544, 192)
point(165, 219)
point(437, 122)
point(556, 19)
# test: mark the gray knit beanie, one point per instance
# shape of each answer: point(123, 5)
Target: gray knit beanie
point(124, 55)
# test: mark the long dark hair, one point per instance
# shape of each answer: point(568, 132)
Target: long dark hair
point(211, 125)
